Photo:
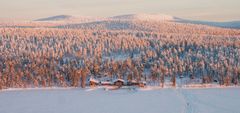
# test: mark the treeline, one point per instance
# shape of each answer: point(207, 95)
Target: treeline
point(44, 57)
point(167, 27)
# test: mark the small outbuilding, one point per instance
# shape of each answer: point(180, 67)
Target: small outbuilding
point(142, 84)
point(135, 83)
point(118, 82)
point(132, 83)
point(105, 83)
point(93, 82)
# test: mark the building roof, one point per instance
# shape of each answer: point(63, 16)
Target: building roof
point(121, 80)
point(93, 80)
point(105, 82)
point(133, 81)
point(144, 82)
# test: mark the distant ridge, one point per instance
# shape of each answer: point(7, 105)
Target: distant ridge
point(136, 17)
point(56, 18)
point(69, 19)
point(230, 24)
point(145, 17)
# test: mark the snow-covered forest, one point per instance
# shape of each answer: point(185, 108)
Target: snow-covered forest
point(45, 54)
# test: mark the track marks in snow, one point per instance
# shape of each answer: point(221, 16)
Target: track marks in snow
point(189, 100)
point(207, 101)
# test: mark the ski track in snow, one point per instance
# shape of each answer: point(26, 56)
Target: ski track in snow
point(186, 97)
point(189, 102)
point(193, 102)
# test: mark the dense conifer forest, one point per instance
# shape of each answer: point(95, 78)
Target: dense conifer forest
point(68, 55)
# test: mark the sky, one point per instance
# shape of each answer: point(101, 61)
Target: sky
point(210, 10)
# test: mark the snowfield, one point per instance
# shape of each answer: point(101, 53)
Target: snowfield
point(149, 100)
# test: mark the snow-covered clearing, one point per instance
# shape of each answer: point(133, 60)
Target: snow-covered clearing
point(149, 100)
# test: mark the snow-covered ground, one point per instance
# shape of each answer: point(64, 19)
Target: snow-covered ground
point(149, 100)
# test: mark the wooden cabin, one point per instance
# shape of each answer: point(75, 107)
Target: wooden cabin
point(132, 83)
point(105, 83)
point(118, 82)
point(93, 82)
point(135, 83)
point(142, 84)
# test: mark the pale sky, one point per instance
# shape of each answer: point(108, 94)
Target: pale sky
point(212, 10)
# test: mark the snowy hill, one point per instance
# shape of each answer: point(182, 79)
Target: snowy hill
point(125, 22)
point(56, 18)
point(164, 18)
point(69, 19)
point(146, 22)
point(107, 24)
point(230, 24)
point(134, 24)
point(129, 17)
point(144, 17)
